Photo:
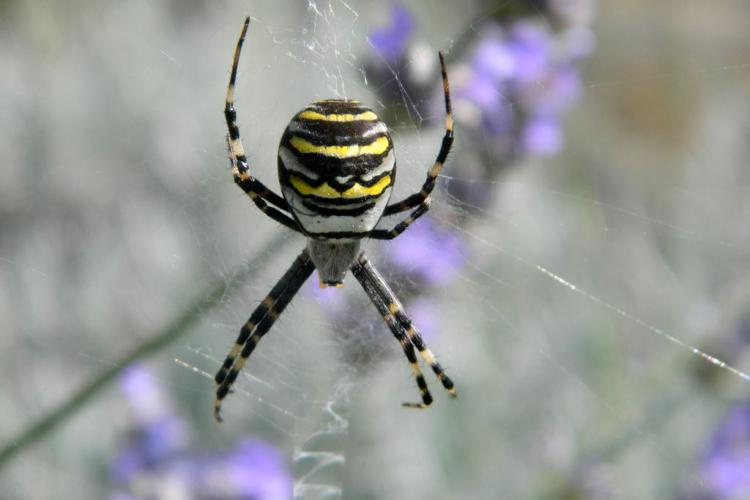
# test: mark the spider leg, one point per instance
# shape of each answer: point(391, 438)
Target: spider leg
point(423, 195)
point(389, 234)
point(360, 272)
point(395, 308)
point(258, 325)
point(256, 190)
point(258, 193)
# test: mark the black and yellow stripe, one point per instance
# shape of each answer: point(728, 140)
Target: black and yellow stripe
point(361, 273)
point(336, 168)
point(429, 184)
point(336, 161)
point(258, 325)
point(399, 323)
point(266, 200)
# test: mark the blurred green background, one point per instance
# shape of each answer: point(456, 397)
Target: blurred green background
point(117, 210)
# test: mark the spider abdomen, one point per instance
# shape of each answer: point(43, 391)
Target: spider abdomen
point(336, 168)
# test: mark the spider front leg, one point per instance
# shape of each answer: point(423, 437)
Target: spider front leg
point(258, 325)
point(421, 199)
point(258, 193)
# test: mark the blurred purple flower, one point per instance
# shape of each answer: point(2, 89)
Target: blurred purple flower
point(560, 86)
point(390, 42)
point(156, 460)
point(398, 67)
point(725, 465)
point(428, 252)
point(529, 45)
point(521, 76)
point(481, 92)
point(542, 136)
point(145, 398)
point(424, 315)
point(510, 89)
point(254, 470)
point(157, 433)
point(519, 84)
point(492, 57)
point(482, 98)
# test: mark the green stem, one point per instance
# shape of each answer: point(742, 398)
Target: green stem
point(171, 332)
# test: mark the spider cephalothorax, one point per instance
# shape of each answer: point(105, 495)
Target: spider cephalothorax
point(337, 167)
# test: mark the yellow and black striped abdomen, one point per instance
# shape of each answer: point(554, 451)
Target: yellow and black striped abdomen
point(336, 168)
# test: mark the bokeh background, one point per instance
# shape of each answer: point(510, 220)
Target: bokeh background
point(596, 203)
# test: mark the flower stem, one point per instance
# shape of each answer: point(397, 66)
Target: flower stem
point(171, 332)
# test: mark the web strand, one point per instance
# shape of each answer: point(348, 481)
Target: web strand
point(620, 312)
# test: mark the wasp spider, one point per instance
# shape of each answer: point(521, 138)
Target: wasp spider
point(336, 168)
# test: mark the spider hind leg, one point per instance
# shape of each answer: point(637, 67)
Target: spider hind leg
point(260, 322)
point(399, 323)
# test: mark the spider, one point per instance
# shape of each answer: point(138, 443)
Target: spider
point(336, 167)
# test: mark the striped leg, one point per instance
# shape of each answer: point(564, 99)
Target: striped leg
point(398, 331)
point(419, 198)
point(258, 325)
point(260, 194)
point(389, 234)
point(397, 310)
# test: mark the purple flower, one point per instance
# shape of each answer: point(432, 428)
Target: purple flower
point(428, 252)
point(144, 396)
point(484, 91)
point(725, 465)
point(542, 136)
point(502, 66)
point(530, 48)
point(553, 94)
point(253, 470)
point(157, 461)
point(492, 57)
point(518, 79)
point(481, 97)
point(390, 41)
point(517, 87)
point(425, 317)
point(157, 433)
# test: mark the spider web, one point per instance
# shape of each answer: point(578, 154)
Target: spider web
point(592, 328)
point(542, 337)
